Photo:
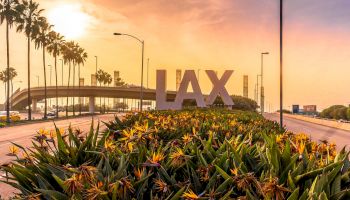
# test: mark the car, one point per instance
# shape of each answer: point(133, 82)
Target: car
point(51, 114)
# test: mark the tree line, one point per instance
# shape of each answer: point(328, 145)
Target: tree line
point(336, 112)
point(26, 17)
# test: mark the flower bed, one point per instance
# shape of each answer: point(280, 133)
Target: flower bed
point(202, 154)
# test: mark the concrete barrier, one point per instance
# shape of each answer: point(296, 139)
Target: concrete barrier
point(324, 122)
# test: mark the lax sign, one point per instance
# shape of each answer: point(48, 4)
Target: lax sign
point(197, 95)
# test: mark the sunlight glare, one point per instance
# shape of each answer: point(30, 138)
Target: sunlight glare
point(69, 20)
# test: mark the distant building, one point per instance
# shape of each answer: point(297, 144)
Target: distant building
point(245, 86)
point(116, 78)
point(310, 109)
point(178, 78)
point(2, 106)
point(295, 109)
point(93, 80)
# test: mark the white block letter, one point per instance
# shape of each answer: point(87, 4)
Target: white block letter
point(219, 87)
point(189, 77)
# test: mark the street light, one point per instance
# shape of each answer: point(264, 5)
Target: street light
point(147, 71)
point(143, 48)
point(281, 63)
point(262, 95)
point(96, 63)
point(257, 88)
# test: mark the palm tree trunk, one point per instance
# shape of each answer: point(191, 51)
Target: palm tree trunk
point(11, 94)
point(100, 102)
point(73, 88)
point(29, 95)
point(68, 90)
point(8, 73)
point(56, 87)
point(45, 89)
point(80, 99)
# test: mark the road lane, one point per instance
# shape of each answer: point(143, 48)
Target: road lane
point(317, 132)
point(23, 135)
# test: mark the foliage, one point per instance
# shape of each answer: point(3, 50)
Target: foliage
point(240, 103)
point(197, 154)
point(3, 74)
point(335, 112)
point(285, 111)
point(2, 124)
point(13, 118)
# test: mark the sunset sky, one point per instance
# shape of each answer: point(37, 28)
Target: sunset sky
point(206, 34)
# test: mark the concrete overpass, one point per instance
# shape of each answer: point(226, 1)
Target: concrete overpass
point(19, 98)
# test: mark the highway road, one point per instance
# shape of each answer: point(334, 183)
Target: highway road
point(23, 134)
point(317, 132)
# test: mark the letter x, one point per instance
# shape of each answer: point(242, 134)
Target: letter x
point(219, 87)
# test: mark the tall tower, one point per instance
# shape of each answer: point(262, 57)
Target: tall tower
point(178, 78)
point(245, 86)
point(116, 77)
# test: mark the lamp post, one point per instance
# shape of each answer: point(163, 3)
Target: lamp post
point(281, 63)
point(147, 71)
point(96, 63)
point(262, 92)
point(257, 88)
point(143, 48)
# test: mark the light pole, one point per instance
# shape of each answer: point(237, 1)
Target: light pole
point(262, 92)
point(143, 50)
point(96, 63)
point(257, 89)
point(281, 63)
point(147, 71)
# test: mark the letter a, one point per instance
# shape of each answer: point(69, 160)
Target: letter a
point(189, 77)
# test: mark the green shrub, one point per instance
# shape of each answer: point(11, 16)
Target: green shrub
point(200, 154)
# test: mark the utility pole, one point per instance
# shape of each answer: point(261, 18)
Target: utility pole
point(281, 63)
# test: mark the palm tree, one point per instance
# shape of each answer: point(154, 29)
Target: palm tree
point(3, 77)
point(55, 48)
point(81, 59)
point(29, 13)
point(100, 76)
point(75, 60)
point(9, 13)
point(41, 41)
point(68, 57)
point(108, 81)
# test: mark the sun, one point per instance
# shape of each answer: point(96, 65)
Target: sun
point(69, 20)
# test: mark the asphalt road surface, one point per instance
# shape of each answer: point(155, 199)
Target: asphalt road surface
point(23, 135)
point(317, 132)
